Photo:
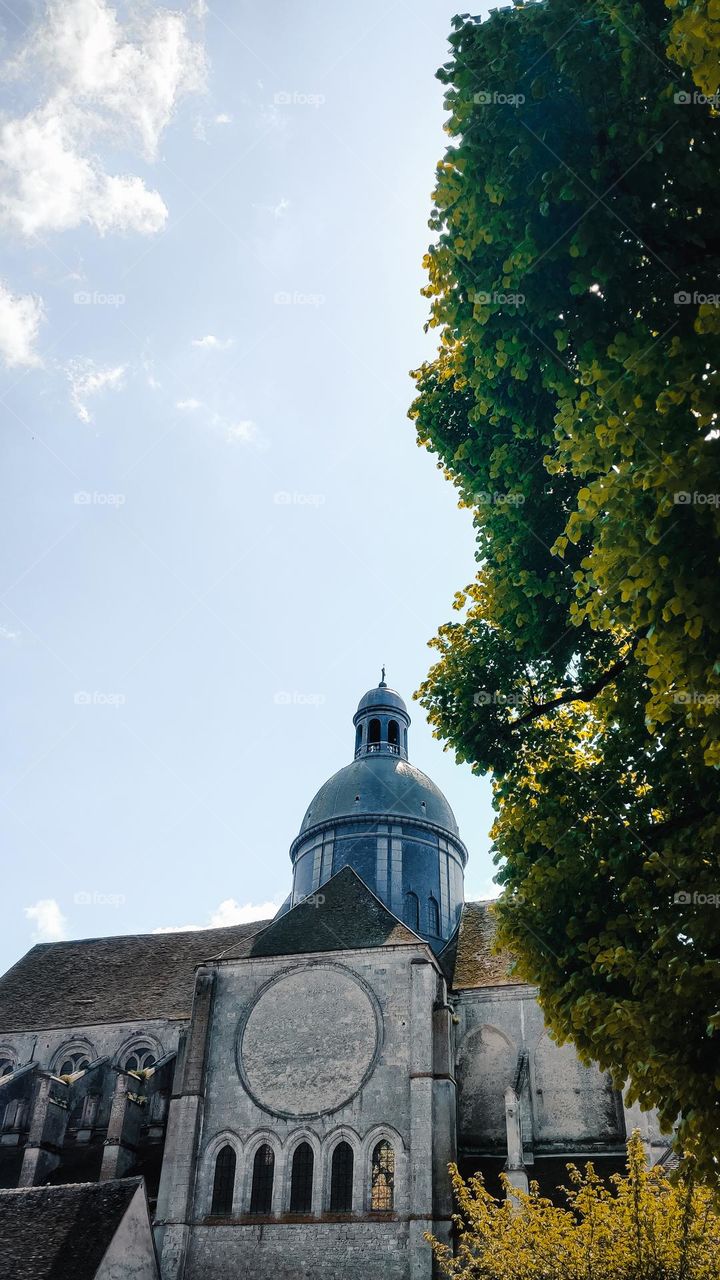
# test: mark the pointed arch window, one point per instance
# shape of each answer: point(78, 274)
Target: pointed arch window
point(262, 1180)
point(433, 916)
point(72, 1063)
point(341, 1179)
point(301, 1182)
point(224, 1182)
point(382, 1183)
point(412, 911)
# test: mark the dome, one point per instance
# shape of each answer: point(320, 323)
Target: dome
point(388, 699)
point(380, 784)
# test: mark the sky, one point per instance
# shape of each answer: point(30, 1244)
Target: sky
point(218, 524)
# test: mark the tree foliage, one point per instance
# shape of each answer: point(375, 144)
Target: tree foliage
point(641, 1227)
point(573, 401)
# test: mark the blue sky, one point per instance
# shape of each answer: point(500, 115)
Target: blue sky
point(218, 523)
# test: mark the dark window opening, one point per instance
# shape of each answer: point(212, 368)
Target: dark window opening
point(433, 916)
point(341, 1182)
point(412, 911)
point(382, 1186)
point(393, 733)
point(301, 1184)
point(224, 1182)
point(358, 737)
point(374, 731)
point(73, 1063)
point(262, 1180)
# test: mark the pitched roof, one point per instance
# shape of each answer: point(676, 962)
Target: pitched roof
point(54, 1233)
point(100, 980)
point(343, 915)
point(476, 962)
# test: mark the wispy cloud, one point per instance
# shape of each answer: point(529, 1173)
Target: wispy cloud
point(104, 80)
point(88, 379)
point(229, 912)
point(243, 433)
point(50, 923)
point(188, 406)
point(20, 318)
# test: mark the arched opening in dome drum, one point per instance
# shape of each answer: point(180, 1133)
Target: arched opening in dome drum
point(358, 738)
point(393, 736)
point(373, 735)
point(412, 911)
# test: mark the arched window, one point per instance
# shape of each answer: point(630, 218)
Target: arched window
point(139, 1060)
point(433, 916)
point(7, 1066)
point(374, 732)
point(301, 1184)
point(382, 1184)
point(393, 733)
point(341, 1180)
point(262, 1180)
point(358, 737)
point(224, 1182)
point(412, 911)
point(73, 1062)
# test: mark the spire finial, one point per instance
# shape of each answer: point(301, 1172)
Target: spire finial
point(382, 684)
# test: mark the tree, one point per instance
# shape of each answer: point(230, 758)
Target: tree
point(573, 403)
point(641, 1227)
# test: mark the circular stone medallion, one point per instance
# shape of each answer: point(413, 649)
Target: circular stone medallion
point(308, 1042)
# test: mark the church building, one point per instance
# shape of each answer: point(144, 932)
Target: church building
point(292, 1090)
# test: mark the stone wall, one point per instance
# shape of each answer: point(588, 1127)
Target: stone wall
point(565, 1107)
point(322, 1049)
point(313, 1251)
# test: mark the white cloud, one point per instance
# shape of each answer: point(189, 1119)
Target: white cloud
point(188, 405)
point(223, 118)
point(243, 433)
point(50, 923)
point(104, 80)
point(7, 634)
point(88, 379)
point(20, 317)
point(229, 912)
point(210, 341)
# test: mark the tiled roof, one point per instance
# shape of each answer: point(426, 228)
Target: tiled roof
point(343, 915)
point(101, 980)
point(60, 1233)
point(476, 963)
point(151, 975)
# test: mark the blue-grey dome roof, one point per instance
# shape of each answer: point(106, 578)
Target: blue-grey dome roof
point(382, 697)
point(381, 784)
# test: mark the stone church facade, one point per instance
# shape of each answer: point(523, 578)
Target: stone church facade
point(293, 1090)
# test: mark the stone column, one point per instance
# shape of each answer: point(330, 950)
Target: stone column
point(123, 1135)
point(637, 1119)
point(177, 1180)
point(422, 999)
point(47, 1132)
point(514, 1167)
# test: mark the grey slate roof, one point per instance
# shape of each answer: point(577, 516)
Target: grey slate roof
point(151, 975)
point(380, 784)
point(101, 980)
point(60, 1233)
point(343, 915)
